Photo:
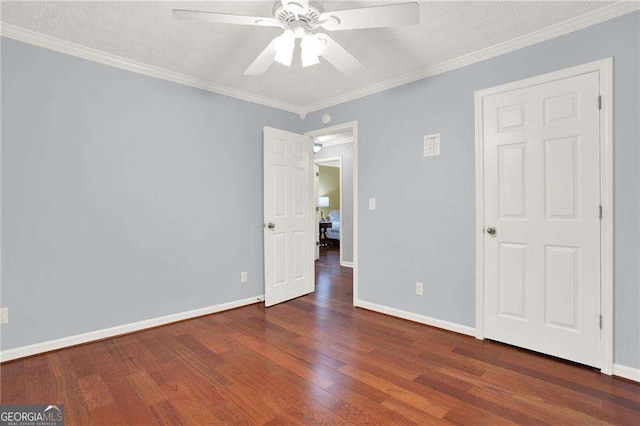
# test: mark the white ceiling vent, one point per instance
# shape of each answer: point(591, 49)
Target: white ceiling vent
point(432, 145)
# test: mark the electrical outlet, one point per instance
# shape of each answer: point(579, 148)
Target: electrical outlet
point(372, 203)
point(419, 289)
point(244, 277)
point(4, 315)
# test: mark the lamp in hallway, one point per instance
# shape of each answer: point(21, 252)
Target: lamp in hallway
point(323, 202)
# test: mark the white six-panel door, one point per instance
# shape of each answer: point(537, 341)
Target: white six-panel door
point(542, 196)
point(288, 216)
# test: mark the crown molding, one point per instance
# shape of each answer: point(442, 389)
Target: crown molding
point(28, 36)
point(579, 22)
point(590, 18)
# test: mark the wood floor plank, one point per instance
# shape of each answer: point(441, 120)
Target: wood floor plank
point(285, 361)
point(132, 407)
point(427, 405)
point(378, 413)
point(164, 414)
point(95, 390)
point(314, 360)
point(566, 383)
point(447, 386)
point(146, 388)
point(107, 414)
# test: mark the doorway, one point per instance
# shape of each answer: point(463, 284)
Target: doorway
point(544, 214)
point(336, 191)
point(289, 209)
point(329, 205)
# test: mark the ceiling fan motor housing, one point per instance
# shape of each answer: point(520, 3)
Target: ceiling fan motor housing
point(308, 17)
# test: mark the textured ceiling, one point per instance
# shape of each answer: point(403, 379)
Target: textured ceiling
point(219, 53)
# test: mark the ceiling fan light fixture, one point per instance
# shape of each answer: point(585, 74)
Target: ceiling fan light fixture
point(299, 32)
point(312, 47)
point(284, 46)
point(299, 17)
point(309, 60)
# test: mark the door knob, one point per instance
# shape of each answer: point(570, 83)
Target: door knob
point(491, 230)
point(271, 225)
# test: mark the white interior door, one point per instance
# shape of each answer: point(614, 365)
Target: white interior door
point(542, 196)
point(288, 216)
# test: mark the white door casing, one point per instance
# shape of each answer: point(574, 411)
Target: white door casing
point(289, 223)
point(316, 186)
point(540, 156)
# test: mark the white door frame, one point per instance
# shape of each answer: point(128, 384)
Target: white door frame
point(319, 162)
point(353, 126)
point(605, 69)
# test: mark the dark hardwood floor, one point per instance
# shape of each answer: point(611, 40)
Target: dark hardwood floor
point(314, 360)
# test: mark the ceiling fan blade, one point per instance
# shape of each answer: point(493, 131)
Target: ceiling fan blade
point(390, 15)
point(337, 56)
point(224, 18)
point(264, 60)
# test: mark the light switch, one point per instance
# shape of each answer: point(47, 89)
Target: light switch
point(372, 203)
point(432, 145)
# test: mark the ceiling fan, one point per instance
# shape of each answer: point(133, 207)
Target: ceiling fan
point(299, 19)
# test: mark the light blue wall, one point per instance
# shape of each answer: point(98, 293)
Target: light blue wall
point(423, 228)
point(116, 189)
point(124, 197)
point(346, 215)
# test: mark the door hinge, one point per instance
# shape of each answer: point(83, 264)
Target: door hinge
point(317, 209)
point(599, 101)
point(317, 174)
point(600, 322)
point(600, 212)
point(318, 244)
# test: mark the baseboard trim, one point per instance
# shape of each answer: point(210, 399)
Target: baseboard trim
point(625, 372)
point(422, 319)
point(346, 264)
point(79, 339)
